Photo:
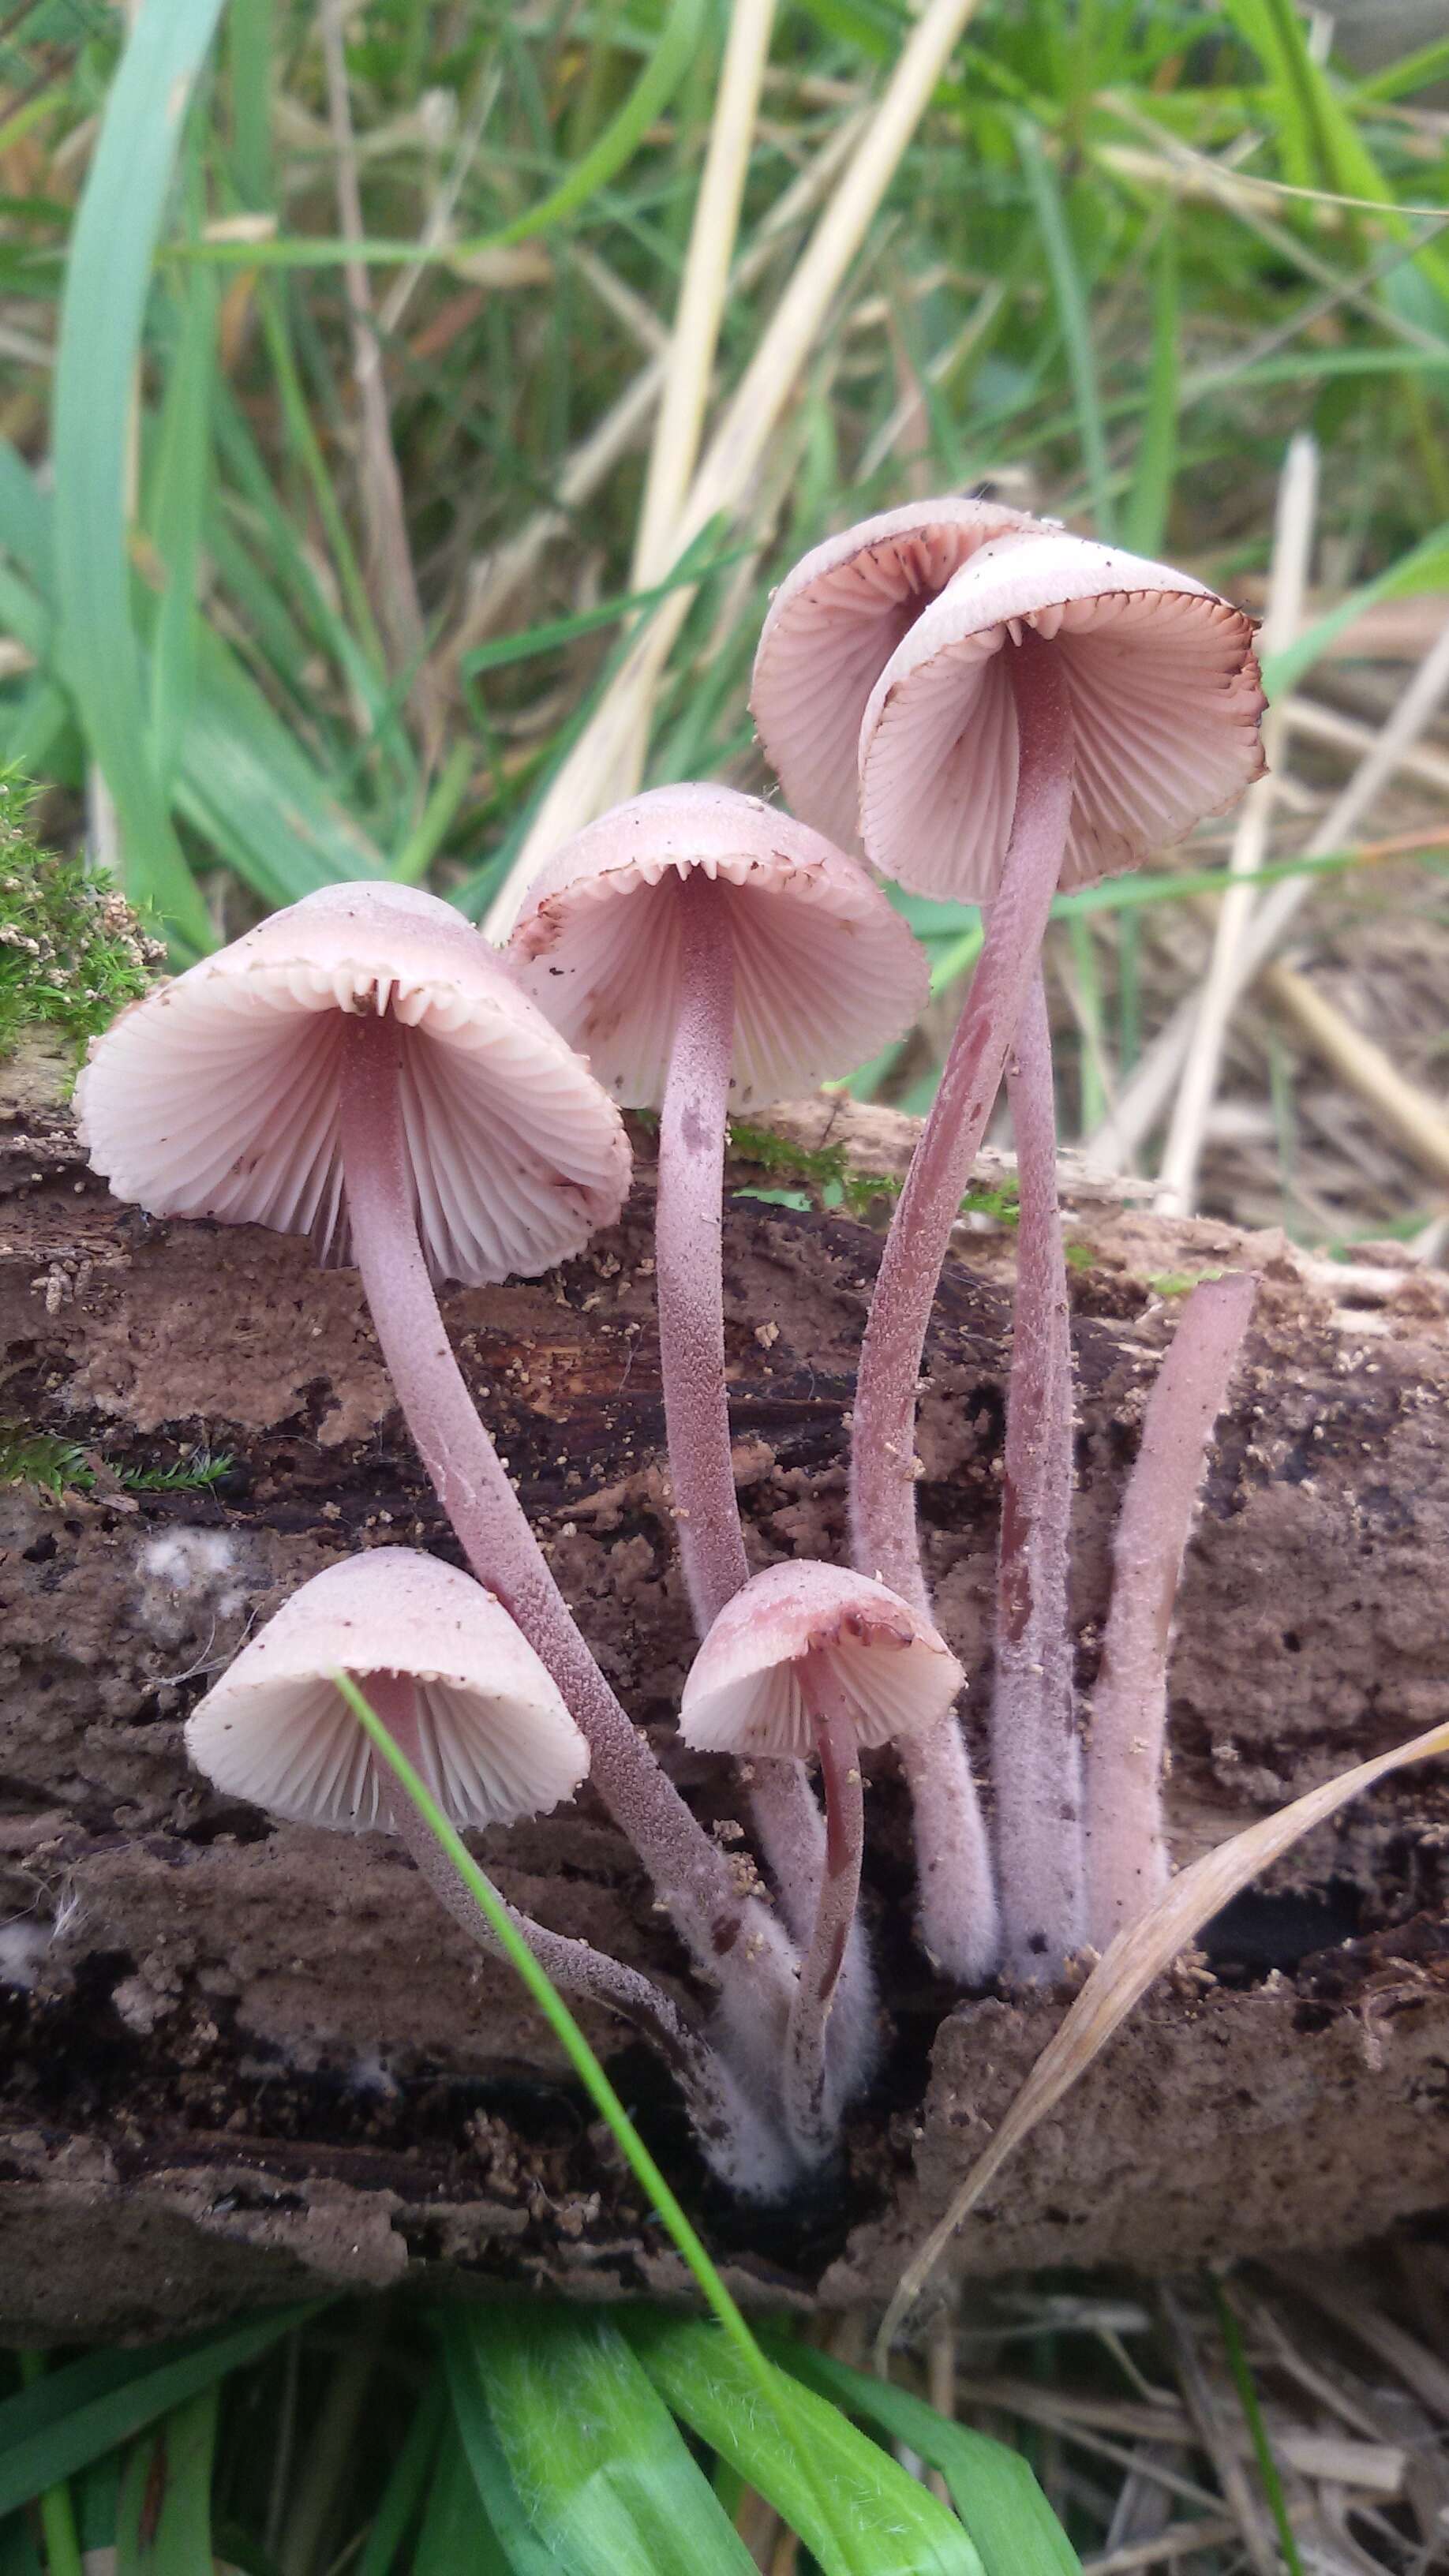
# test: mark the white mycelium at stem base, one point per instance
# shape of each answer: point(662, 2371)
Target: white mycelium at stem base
point(710, 954)
point(369, 1027)
point(470, 1704)
point(807, 1657)
point(1003, 688)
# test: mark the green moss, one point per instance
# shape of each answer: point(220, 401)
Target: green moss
point(827, 1169)
point(1179, 1283)
point(72, 951)
point(53, 1466)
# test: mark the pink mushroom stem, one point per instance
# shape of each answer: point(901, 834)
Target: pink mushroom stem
point(688, 1234)
point(1126, 1848)
point(809, 2112)
point(733, 2136)
point(959, 1924)
point(688, 1239)
point(1036, 1764)
point(733, 1938)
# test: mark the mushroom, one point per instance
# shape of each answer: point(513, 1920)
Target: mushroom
point(464, 1696)
point(1126, 1849)
point(708, 952)
point(364, 1069)
point(811, 1655)
point(1056, 710)
point(832, 626)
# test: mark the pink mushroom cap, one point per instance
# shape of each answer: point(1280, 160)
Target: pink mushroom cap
point(496, 1741)
point(217, 1095)
point(832, 626)
point(1165, 698)
point(743, 1694)
point(826, 973)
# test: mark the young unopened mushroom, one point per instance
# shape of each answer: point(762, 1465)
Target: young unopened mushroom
point(812, 1657)
point(364, 1069)
point(709, 953)
point(1126, 1849)
point(1055, 711)
point(464, 1696)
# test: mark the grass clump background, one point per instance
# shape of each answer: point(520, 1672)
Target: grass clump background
point(389, 475)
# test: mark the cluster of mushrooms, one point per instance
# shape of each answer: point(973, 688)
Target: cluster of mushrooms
point(992, 708)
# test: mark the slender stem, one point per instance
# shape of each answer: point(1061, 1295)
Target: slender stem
point(1127, 1863)
point(688, 1227)
point(809, 2113)
point(1036, 1763)
point(688, 1237)
point(957, 1899)
point(733, 1938)
point(734, 2138)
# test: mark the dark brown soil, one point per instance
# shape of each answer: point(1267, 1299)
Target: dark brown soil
point(240, 2061)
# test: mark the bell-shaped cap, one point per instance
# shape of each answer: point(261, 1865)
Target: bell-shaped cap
point(833, 625)
point(494, 1739)
point(826, 973)
point(218, 1094)
point(744, 1692)
point(1165, 701)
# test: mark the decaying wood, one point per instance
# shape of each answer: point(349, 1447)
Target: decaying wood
point(237, 2061)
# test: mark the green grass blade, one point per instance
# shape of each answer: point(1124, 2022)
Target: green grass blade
point(251, 50)
point(86, 2408)
point(679, 41)
point(308, 449)
point(437, 817)
point(102, 316)
point(1410, 72)
point(881, 2521)
point(993, 2490)
point(180, 480)
point(247, 784)
point(692, 568)
point(25, 521)
point(478, 889)
point(1321, 142)
point(576, 2048)
point(1243, 2381)
point(1093, 1088)
point(290, 574)
point(1424, 567)
point(524, 2553)
point(57, 2512)
point(1071, 300)
point(592, 2450)
point(22, 615)
point(592, 172)
point(244, 781)
point(410, 2478)
point(163, 2527)
point(1144, 526)
point(769, 2390)
point(953, 952)
point(456, 2539)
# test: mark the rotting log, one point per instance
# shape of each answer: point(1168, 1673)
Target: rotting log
point(240, 2062)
